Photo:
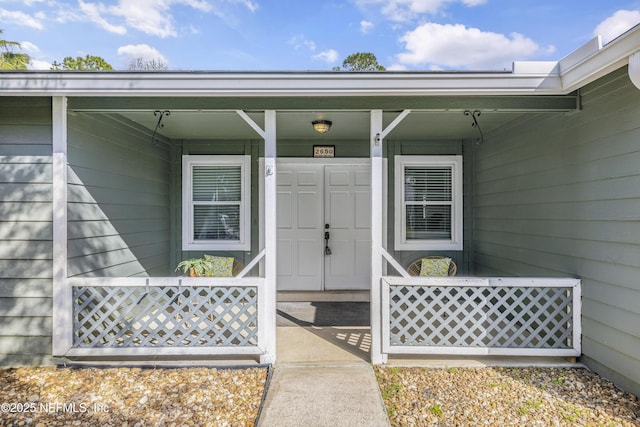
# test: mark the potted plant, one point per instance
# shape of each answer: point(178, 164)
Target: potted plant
point(194, 267)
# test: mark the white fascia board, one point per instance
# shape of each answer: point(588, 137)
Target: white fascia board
point(238, 84)
point(599, 62)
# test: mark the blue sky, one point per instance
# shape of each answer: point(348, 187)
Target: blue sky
point(312, 34)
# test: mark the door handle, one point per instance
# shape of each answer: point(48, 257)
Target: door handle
point(327, 249)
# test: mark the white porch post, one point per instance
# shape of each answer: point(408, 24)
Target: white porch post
point(270, 294)
point(62, 317)
point(377, 205)
point(378, 252)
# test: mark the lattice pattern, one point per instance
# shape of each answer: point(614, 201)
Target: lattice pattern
point(506, 317)
point(166, 316)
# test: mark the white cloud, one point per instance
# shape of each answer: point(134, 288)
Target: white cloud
point(396, 67)
point(617, 24)
point(37, 64)
point(149, 16)
point(29, 47)
point(329, 55)
point(153, 17)
point(406, 10)
point(366, 26)
point(94, 12)
point(456, 46)
point(300, 41)
point(144, 51)
point(201, 5)
point(32, 2)
point(34, 64)
point(251, 5)
point(21, 18)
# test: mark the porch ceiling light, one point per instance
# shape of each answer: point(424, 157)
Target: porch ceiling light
point(321, 126)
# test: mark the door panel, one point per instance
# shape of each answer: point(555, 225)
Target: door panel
point(283, 201)
point(299, 221)
point(341, 265)
point(340, 209)
point(308, 210)
point(308, 266)
point(363, 210)
point(348, 212)
point(284, 255)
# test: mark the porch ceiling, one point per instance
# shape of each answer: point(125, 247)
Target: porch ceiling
point(347, 125)
point(432, 117)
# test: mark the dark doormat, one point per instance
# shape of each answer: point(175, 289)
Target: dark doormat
point(323, 314)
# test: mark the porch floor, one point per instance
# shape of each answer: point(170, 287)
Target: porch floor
point(323, 332)
point(318, 333)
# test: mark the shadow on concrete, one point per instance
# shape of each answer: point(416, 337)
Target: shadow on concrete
point(323, 332)
point(323, 314)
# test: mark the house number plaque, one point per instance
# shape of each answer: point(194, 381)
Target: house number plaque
point(324, 151)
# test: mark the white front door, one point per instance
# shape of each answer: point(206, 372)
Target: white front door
point(314, 194)
point(347, 211)
point(299, 220)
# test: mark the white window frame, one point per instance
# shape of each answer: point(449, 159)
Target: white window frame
point(400, 239)
point(188, 242)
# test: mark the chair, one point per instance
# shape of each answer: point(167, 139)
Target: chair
point(237, 267)
point(416, 266)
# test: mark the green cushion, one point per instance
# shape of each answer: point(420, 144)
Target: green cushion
point(219, 266)
point(438, 267)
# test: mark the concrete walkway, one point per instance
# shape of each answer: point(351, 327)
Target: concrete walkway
point(323, 379)
point(323, 396)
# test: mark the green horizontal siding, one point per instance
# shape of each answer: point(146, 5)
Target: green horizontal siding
point(26, 288)
point(559, 195)
point(26, 231)
point(119, 201)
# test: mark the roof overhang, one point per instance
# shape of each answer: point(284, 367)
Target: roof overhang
point(581, 67)
point(276, 84)
point(203, 103)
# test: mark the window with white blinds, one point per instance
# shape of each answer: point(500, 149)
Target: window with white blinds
point(216, 202)
point(428, 196)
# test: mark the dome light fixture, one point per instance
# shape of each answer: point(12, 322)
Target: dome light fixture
point(321, 126)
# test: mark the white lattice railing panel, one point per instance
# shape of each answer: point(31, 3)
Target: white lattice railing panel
point(475, 316)
point(164, 316)
point(124, 317)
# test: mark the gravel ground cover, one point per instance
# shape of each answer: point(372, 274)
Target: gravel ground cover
point(504, 397)
point(49, 396)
